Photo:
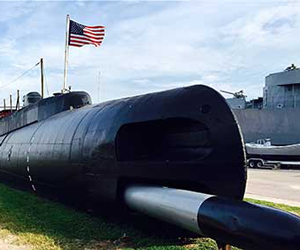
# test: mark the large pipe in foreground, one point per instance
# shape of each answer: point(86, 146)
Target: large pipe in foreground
point(232, 222)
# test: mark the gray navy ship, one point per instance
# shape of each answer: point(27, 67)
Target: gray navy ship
point(276, 115)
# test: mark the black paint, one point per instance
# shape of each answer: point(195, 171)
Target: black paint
point(92, 151)
point(249, 226)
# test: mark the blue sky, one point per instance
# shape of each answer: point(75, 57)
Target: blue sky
point(149, 45)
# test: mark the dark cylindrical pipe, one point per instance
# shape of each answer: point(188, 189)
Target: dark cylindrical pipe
point(234, 222)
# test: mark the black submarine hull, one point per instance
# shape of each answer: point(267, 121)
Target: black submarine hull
point(176, 155)
point(175, 138)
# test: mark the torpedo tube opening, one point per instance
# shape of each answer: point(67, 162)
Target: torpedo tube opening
point(171, 139)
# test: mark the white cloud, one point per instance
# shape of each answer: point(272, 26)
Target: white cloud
point(11, 10)
point(152, 46)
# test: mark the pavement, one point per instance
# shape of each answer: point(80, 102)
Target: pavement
point(278, 186)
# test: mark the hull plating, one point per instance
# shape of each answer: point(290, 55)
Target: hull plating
point(185, 138)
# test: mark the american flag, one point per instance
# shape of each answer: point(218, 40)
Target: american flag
point(80, 35)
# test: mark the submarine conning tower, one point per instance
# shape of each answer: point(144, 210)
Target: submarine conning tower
point(36, 109)
point(282, 89)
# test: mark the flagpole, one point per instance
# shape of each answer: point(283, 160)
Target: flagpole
point(66, 53)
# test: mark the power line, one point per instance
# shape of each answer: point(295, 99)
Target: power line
point(2, 87)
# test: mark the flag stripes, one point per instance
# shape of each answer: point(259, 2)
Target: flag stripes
point(80, 35)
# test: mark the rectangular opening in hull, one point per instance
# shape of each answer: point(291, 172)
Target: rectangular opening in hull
point(173, 139)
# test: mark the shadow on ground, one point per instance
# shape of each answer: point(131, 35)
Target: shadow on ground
point(49, 225)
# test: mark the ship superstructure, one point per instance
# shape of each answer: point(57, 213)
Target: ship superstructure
point(276, 115)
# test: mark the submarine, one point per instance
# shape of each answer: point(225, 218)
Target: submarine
point(275, 115)
point(177, 156)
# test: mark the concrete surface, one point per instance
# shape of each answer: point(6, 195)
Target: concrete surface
point(278, 186)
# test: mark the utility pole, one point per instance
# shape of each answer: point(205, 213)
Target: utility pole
point(42, 77)
point(4, 104)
